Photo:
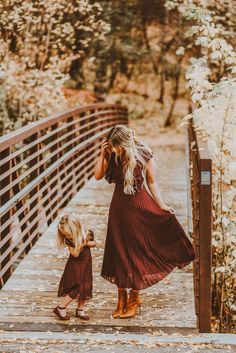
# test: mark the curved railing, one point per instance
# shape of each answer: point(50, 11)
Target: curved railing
point(42, 166)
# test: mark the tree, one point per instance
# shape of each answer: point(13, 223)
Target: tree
point(211, 79)
point(41, 43)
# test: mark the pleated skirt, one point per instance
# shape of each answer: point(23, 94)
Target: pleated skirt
point(76, 280)
point(144, 243)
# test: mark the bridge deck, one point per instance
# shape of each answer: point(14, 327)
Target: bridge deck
point(27, 299)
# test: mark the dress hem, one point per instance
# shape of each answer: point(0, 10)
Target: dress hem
point(155, 278)
point(75, 297)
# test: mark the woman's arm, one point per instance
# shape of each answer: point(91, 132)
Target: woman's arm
point(102, 164)
point(154, 188)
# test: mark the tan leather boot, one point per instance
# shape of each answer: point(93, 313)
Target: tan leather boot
point(122, 303)
point(133, 306)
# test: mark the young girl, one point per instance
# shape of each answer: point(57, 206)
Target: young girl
point(76, 281)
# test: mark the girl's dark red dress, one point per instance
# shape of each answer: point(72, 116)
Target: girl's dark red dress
point(144, 243)
point(77, 278)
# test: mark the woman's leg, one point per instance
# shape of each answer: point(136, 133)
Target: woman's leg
point(121, 304)
point(133, 305)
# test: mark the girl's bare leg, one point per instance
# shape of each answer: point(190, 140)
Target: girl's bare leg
point(66, 301)
point(81, 303)
point(80, 311)
point(62, 307)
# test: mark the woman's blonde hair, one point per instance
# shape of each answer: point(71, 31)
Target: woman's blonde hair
point(70, 229)
point(134, 151)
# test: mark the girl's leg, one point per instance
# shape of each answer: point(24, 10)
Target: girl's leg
point(80, 311)
point(81, 303)
point(62, 307)
point(66, 301)
point(60, 310)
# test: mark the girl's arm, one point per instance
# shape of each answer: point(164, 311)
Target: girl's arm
point(74, 252)
point(154, 189)
point(102, 164)
point(91, 243)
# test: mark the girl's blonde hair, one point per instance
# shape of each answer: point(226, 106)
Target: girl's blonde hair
point(134, 151)
point(70, 229)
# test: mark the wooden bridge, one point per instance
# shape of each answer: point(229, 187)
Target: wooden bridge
point(46, 169)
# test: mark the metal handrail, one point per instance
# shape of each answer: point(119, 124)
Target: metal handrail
point(42, 166)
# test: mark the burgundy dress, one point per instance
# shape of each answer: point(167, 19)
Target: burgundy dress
point(76, 280)
point(144, 243)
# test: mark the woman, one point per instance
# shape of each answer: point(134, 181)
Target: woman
point(145, 241)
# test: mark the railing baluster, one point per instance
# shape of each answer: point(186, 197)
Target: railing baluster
point(71, 128)
point(20, 203)
point(55, 184)
point(36, 201)
point(7, 231)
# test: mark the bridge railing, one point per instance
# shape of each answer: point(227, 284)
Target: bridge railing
point(200, 176)
point(41, 167)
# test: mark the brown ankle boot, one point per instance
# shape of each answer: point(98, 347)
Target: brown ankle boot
point(133, 306)
point(122, 303)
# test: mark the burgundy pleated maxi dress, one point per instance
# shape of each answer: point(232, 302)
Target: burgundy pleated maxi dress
point(76, 280)
point(144, 243)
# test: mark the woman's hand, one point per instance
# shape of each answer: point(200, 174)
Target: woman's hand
point(168, 209)
point(101, 164)
point(104, 147)
point(154, 189)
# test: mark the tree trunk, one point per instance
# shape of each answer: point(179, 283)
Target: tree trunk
point(175, 94)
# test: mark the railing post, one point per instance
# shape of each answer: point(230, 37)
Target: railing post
point(201, 193)
point(34, 204)
point(3, 218)
point(205, 226)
